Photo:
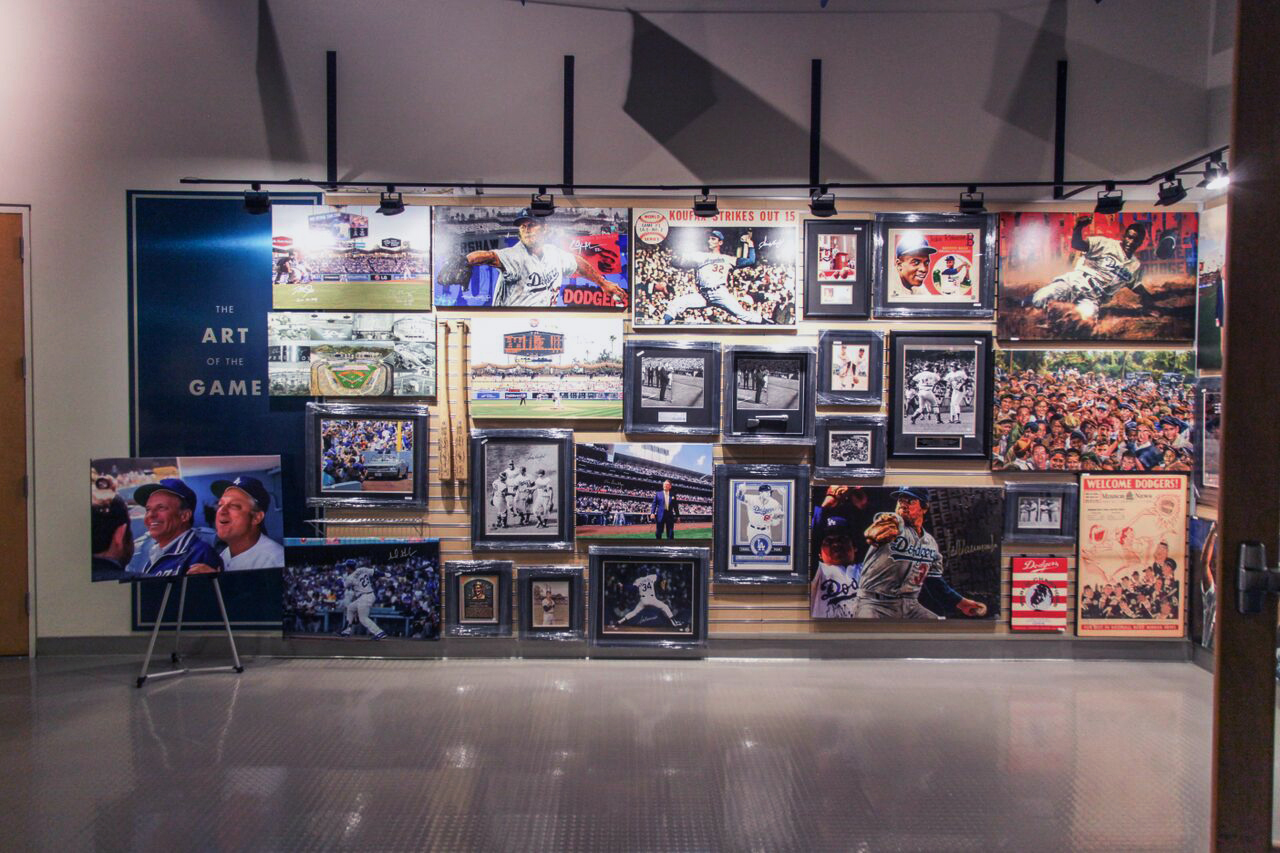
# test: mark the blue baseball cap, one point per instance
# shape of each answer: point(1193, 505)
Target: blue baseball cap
point(251, 486)
point(912, 493)
point(171, 485)
point(525, 215)
point(914, 243)
point(719, 235)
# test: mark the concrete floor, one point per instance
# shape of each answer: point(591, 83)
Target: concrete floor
point(514, 755)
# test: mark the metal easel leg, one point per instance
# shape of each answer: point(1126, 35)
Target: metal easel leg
point(155, 632)
point(176, 658)
point(226, 623)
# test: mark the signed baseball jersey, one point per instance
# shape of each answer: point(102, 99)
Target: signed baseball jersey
point(530, 280)
point(1106, 263)
point(359, 582)
point(897, 568)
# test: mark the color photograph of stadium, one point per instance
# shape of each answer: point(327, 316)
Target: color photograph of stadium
point(559, 368)
point(334, 258)
point(333, 354)
point(619, 489)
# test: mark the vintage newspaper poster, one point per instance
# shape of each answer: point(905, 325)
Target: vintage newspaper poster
point(1133, 555)
point(1039, 594)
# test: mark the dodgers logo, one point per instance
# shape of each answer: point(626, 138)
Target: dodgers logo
point(761, 545)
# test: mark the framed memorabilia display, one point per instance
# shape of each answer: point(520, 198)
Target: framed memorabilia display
point(504, 257)
point(935, 265)
point(850, 368)
point(1085, 276)
point(362, 588)
point(1204, 586)
point(1038, 594)
point(769, 395)
point(1208, 432)
point(551, 605)
point(367, 454)
point(766, 510)
point(648, 596)
point(478, 598)
point(1041, 513)
point(734, 270)
point(1211, 254)
point(521, 481)
point(837, 268)
point(671, 387)
point(1132, 574)
point(332, 354)
point(850, 448)
point(940, 396)
point(643, 491)
point(908, 553)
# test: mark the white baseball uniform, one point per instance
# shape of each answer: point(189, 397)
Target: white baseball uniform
point(530, 280)
point(1100, 271)
point(542, 496)
point(645, 585)
point(956, 379)
point(712, 272)
point(924, 382)
point(359, 590)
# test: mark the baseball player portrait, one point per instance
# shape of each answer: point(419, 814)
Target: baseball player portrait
point(761, 538)
point(1104, 267)
point(912, 257)
point(176, 550)
point(711, 270)
point(957, 380)
point(834, 586)
point(359, 596)
point(241, 510)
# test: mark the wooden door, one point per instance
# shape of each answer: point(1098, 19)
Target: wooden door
point(13, 437)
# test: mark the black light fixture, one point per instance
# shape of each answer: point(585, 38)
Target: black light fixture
point(821, 202)
point(391, 202)
point(542, 203)
point(706, 205)
point(256, 201)
point(1171, 190)
point(1216, 174)
point(971, 201)
point(1110, 200)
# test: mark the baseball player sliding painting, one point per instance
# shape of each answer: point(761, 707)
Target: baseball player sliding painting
point(1104, 267)
point(711, 269)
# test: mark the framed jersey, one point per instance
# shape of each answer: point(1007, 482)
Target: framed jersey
point(478, 593)
point(648, 596)
point(934, 265)
point(767, 536)
point(522, 486)
point(940, 401)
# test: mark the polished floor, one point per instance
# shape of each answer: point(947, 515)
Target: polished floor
point(607, 755)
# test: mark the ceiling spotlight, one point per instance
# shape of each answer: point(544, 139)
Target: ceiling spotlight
point(256, 201)
point(542, 203)
point(391, 203)
point(1110, 200)
point(1216, 175)
point(971, 201)
point(705, 205)
point(1171, 190)
point(821, 202)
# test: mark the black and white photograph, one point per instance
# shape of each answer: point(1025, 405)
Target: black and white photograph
point(851, 446)
point(1041, 513)
point(1208, 439)
point(837, 268)
point(479, 598)
point(941, 389)
point(671, 387)
point(766, 510)
point(550, 602)
point(366, 454)
point(850, 368)
point(768, 383)
point(671, 383)
point(520, 481)
point(770, 395)
point(649, 595)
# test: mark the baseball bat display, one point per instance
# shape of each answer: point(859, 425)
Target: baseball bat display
point(462, 428)
point(444, 466)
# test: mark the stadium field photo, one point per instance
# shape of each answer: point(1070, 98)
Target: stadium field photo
point(641, 531)
point(396, 295)
point(580, 409)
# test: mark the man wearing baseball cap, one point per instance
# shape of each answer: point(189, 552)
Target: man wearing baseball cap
point(112, 538)
point(171, 506)
point(242, 509)
point(912, 259)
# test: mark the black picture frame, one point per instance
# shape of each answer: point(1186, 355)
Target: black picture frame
point(610, 592)
point(1064, 497)
point(1208, 441)
point(908, 350)
point(492, 447)
point(979, 303)
point(528, 579)
point(348, 490)
point(873, 343)
point(874, 428)
point(830, 290)
point(702, 417)
point(460, 577)
point(749, 422)
point(737, 545)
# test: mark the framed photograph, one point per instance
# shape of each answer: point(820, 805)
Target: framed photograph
point(349, 258)
point(643, 491)
point(766, 509)
point(331, 354)
point(479, 598)
point(1132, 571)
point(367, 454)
point(504, 257)
point(648, 596)
point(850, 448)
point(769, 395)
point(1084, 276)
point(734, 270)
point(850, 368)
point(551, 605)
point(215, 514)
point(548, 368)
point(520, 480)
point(1208, 439)
point(940, 394)
point(362, 588)
point(1038, 594)
point(671, 387)
point(935, 265)
point(837, 268)
point(1041, 513)
point(1211, 286)
point(910, 553)
point(1203, 606)
point(1092, 410)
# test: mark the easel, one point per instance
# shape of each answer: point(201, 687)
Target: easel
point(176, 658)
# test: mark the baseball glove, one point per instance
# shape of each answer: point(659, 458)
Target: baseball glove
point(455, 270)
point(884, 527)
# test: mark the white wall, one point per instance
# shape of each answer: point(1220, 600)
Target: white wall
point(101, 97)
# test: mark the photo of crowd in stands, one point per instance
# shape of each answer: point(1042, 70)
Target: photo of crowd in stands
point(734, 269)
point(366, 455)
point(348, 258)
point(559, 368)
point(362, 588)
point(332, 354)
point(644, 491)
point(1093, 410)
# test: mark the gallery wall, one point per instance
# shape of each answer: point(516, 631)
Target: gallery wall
point(102, 98)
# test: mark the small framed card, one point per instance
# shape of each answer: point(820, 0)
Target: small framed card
point(850, 448)
point(837, 268)
point(521, 483)
point(367, 454)
point(769, 395)
point(766, 508)
point(850, 368)
point(1041, 513)
point(479, 598)
point(649, 596)
point(671, 387)
point(935, 265)
point(551, 606)
point(940, 400)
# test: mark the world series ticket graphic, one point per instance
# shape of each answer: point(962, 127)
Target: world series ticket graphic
point(1039, 594)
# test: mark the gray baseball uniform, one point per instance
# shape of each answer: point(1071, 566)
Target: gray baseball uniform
point(892, 574)
point(530, 280)
point(1099, 273)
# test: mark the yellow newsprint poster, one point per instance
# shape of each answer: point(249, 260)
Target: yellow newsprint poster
point(1133, 555)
